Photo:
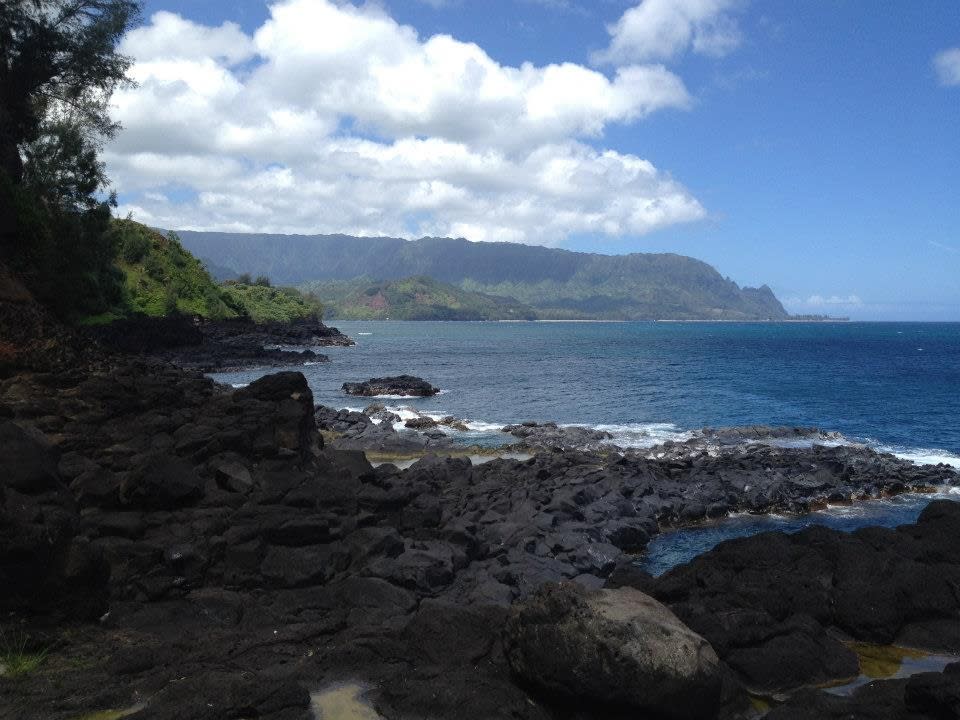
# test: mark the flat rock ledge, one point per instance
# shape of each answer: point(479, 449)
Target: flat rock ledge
point(399, 385)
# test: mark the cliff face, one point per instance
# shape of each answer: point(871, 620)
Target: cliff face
point(555, 283)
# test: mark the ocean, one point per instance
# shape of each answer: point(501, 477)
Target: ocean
point(895, 386)
point(892, 386)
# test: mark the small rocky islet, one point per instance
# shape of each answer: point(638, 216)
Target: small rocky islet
point(396, 386)
point(186, 550)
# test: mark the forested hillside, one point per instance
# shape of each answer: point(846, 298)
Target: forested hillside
point(556, 283)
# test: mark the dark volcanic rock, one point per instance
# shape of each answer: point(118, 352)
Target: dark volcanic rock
point(237, 561)
point(613, 647)
point(552, 436)
point(402, 385)
point(29, 463)
point(937, 694)
point(219, 346)
point(927, 696)
point(351, 430)
point(766, 602)
point(45, 565)
point(161, 482)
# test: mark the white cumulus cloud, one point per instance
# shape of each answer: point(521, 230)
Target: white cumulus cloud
point(824, 304)
point(336, 118)
point(947, 64)
point(822, 301)
point(662, 29)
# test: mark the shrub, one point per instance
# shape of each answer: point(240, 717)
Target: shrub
point(135, 247)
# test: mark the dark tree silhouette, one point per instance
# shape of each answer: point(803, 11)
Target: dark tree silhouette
point(58, 67)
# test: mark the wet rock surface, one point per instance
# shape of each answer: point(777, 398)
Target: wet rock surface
point(220, 346)
point(400, 385)
point(373, 431)
point(777, 607)
point(924, 696)
point(204, 552)
point(551, 436)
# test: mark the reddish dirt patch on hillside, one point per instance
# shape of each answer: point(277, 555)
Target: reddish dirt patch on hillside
point(377, 302)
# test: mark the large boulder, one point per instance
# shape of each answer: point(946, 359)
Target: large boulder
point(617, 647)
point(287, 423)
point(160, 481)
point(44, 566)
point(29, 463)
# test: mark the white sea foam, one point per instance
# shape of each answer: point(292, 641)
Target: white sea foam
point(643, 435)
point(920, 456)
point(479, 426)
point(392, 397)
point(924, 456)
point(647, 435)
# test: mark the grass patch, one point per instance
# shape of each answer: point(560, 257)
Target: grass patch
point(17, 657)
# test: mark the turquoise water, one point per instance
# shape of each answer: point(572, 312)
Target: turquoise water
point(892, 385)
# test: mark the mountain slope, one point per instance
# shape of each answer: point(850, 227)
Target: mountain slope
point(557, 283)
point(161, 277)
point(416, 298)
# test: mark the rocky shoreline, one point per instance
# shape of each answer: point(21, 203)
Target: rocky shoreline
point(184, 550)
point(222, 345)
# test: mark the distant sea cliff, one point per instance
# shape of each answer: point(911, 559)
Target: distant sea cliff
point(485, 280)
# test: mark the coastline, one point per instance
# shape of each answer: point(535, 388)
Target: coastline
point(254, 519)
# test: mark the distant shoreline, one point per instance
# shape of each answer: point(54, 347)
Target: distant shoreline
point(522, 322)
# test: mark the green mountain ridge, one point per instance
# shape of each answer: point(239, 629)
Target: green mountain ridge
point(556, 283)
point(161, 277)
point(415, 298)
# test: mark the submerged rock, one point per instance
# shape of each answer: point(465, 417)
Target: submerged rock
point(613, 647)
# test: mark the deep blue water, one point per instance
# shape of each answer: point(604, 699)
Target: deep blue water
point(894, 385)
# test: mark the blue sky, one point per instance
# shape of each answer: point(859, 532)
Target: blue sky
point(811, 146)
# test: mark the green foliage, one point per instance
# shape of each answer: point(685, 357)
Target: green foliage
point(416, 298)
point(63, 57)
point(556, 283)
point(262, 281)
point(64, 256)
point(263, 303)
point(135, 247)
point(58, 68)
point(162, 278)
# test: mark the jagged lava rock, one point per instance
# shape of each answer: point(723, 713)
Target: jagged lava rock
point(404, 385)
